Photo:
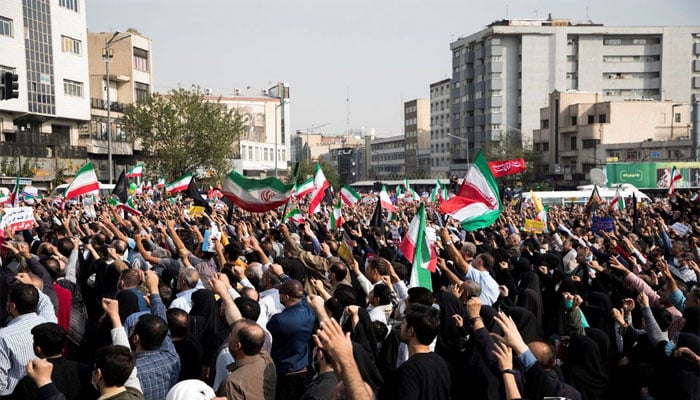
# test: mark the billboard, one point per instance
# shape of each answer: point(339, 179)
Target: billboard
point(654, 175)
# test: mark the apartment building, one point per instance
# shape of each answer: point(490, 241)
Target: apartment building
point(121, 73)
point(44, 42)
point(440, 128)
point(580, 131)
point(417, 134)
point(385, 158)
point(503, 74)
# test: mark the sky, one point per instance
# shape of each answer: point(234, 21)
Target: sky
point(376, 53)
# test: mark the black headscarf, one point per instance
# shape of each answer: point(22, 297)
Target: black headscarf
point(205, 323)
point(583, 368)
point(128, 303)
point(526, 323)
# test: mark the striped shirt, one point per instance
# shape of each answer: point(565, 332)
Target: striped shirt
point(16, 349)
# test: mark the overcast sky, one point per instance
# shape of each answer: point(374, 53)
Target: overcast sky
point(382, 52)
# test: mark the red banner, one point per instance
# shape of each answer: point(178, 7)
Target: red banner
point(507, 167)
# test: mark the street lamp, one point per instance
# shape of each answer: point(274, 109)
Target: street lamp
point(282, 103)
point(107, 56)
point(673, 116)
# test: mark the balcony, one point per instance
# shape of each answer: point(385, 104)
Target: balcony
point(101, 104)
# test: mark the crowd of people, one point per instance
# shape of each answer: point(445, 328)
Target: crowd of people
point(172, 304)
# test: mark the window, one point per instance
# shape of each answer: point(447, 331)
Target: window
point(69, 4)
point(544, 124)
point(677, 117)
point(573, 143)
point(141, 91)
point(602, 118)
point(140, 59)
point(573, 120)
point(70, 45)
point(5, 27)
point(72, 88)
point(591, 119)
point(589, 143)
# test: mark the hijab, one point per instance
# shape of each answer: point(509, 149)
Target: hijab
point(583, 368)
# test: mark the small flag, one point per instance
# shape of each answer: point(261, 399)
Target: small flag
point(295, 216)
point(305, 188)
point(136, 171)
point(256, 195)
point(121, 188)
point(161, 183)
point(320, 186)
point(349, 195)
point(14, 196)
point(336, 217)
point(179, 184)
point(193, 193)
point(617, 202)
point(694, 197)
point(129, 206)
point(385, 200)
point(417, 248)
point(675, 176)
point(84, 182)
point(398, 191)
point(377, 219)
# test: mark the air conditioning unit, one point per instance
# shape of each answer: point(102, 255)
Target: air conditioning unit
point(236, 92)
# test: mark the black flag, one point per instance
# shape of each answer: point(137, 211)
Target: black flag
point(377, 218)
point(193, 194)
point(121, 189)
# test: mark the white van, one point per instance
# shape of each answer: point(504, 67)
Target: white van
point(104, 191)
point(581, 196)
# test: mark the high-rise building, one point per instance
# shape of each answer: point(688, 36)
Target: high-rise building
point(384, 157)
point(44, 42)
point(128, 57)
point(440, 128)
point(417, 133)
point(502, 75)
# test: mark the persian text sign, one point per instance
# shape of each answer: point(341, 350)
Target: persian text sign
point(18, 218)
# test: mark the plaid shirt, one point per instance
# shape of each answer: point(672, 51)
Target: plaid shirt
point(158, 370)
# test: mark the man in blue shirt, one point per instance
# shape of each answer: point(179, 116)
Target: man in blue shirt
point(291, 331)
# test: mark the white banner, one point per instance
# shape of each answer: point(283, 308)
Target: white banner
point(18, 218)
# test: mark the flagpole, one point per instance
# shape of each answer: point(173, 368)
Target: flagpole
point(294, 177)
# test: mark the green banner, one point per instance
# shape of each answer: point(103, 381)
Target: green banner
point(655, 175)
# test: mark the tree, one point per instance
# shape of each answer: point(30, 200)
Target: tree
point(181, 132)
point(307, 169)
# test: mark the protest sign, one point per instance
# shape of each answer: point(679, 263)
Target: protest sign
point(18, 218)
point(534, 224)
point(605, 224)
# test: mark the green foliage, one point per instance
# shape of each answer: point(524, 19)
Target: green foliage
point(181, 132)
point(8, 167)
point(307, 169)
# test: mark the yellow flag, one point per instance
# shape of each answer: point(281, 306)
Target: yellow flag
point(537, 202)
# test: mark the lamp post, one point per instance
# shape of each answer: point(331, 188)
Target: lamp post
point(107, 56)
point(281, 104)
point(673, 116)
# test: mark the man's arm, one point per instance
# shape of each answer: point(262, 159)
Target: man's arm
point(119, 338)
point(453, 253)
point(220, 287)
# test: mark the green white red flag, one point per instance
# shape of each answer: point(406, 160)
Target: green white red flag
point(336, 218)
point(179, 185)
point(295, 216)
point(256, 195)
point(305, 188)
point(136, 171)
point(386, 200)
point(617, 202)
point(161, 183)
point(349, 195)
point(320, 186)
point(478, 202)
point(84, 182)
point(675, 176)
point(416, 247)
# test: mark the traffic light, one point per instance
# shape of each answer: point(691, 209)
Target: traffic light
point(10, 86)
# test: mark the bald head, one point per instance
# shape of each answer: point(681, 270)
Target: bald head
point(247, 338)
point(292, 288)
point(544, 353)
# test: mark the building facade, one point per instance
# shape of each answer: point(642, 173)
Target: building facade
point(502, 75)
point(130, 80)
point(262, 147)
point(385, 159)
point(417, 134)
point(44, 42)
point(580, 131)
point(440, 128)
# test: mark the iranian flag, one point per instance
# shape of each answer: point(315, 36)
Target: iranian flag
point(617, 202)
point(136, 171)
point(336, 217)
point(84, 182)
point(398, 191)
point(320, 186)
point(305, 188)
point(295, 216)
point(179, 184)
point(386, 201)
point(675, 176)
point(478, 202)
point(129, 207)
point(256, 195)
point(161, 183)
point(349, 195)
point(14, 195)
point(417, 248)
